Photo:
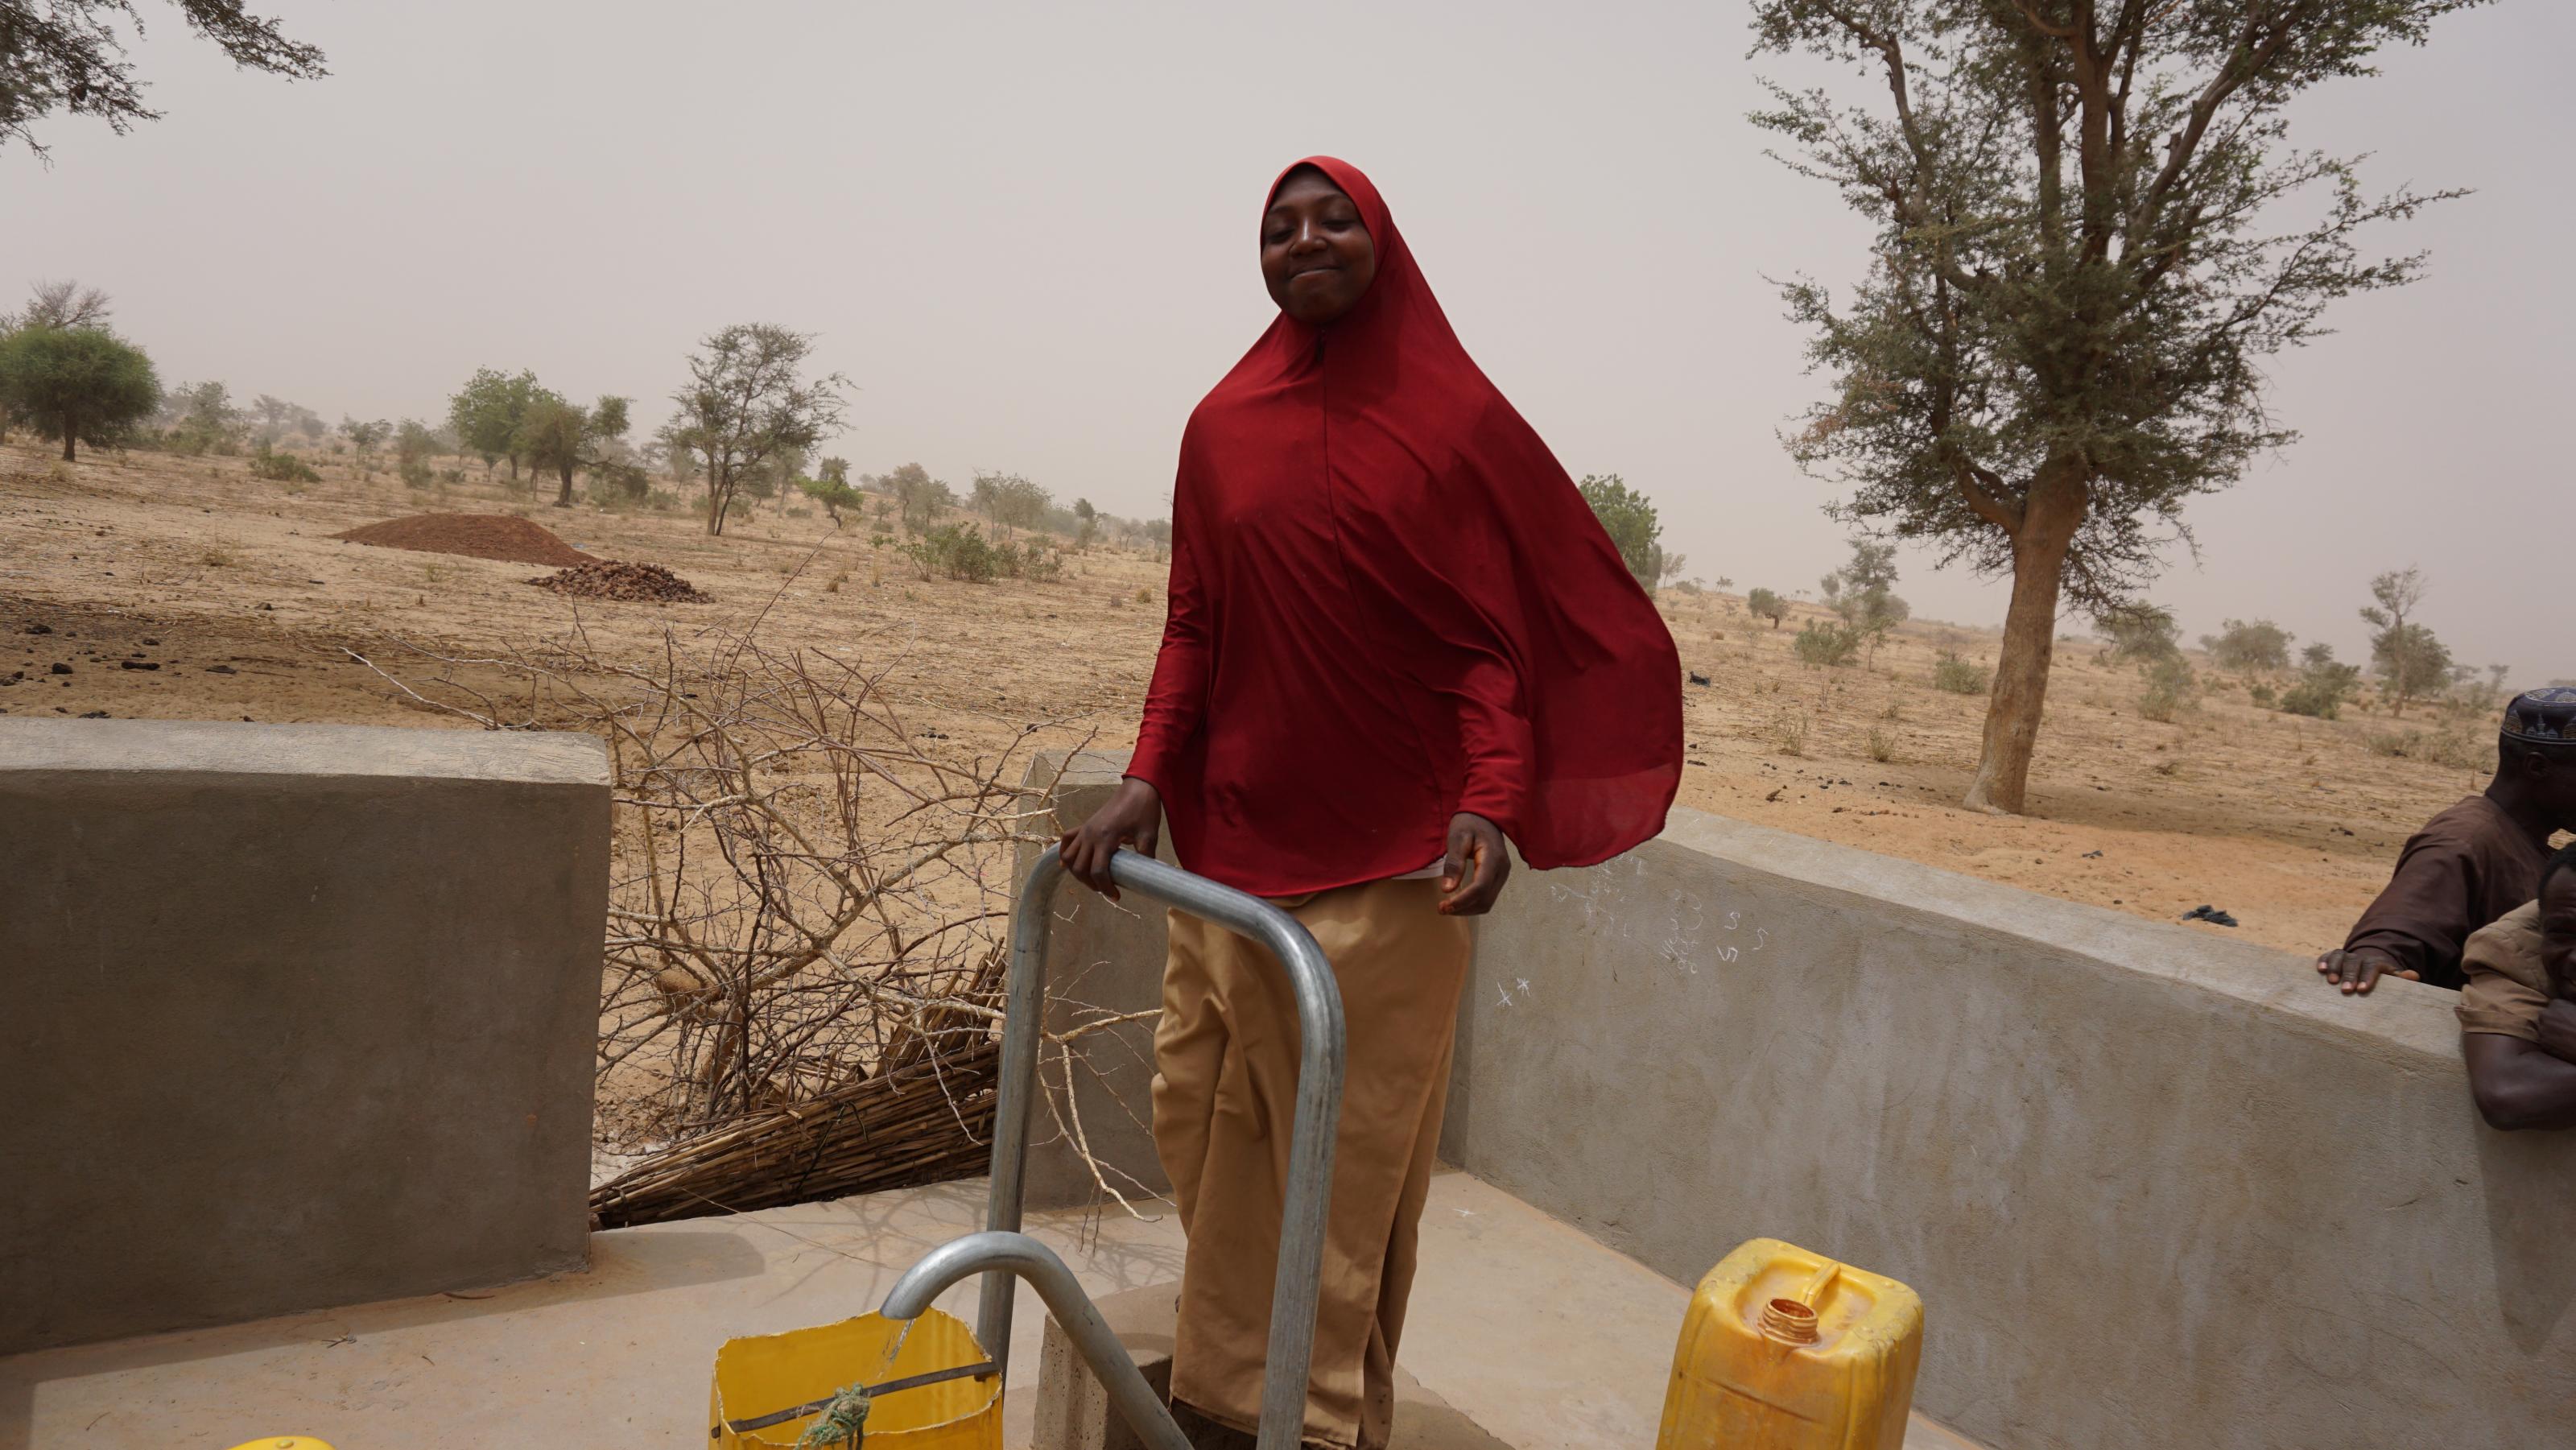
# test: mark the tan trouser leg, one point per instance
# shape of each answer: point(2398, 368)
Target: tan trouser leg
point(1225, 1091)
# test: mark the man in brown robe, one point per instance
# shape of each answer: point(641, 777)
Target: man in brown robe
point(2473, 862)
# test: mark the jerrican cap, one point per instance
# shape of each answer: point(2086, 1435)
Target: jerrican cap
point(2546, 716)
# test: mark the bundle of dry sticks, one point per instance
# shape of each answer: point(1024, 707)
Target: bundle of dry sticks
point(802, 987)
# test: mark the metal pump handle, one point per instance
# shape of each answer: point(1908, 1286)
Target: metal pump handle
point(1310, 1148)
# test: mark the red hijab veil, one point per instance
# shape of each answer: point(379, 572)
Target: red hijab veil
point(1388, 603)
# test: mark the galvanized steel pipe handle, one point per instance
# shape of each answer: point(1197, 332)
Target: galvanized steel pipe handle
point(1310, 1149)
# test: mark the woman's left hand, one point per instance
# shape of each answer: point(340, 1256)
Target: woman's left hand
point(1478, 865)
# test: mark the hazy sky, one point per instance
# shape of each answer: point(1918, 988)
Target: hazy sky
point(1027, 234)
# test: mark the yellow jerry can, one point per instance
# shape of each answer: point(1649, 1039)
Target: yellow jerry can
point(283, 1442)
point(769, 1387)
point(1787, 1350)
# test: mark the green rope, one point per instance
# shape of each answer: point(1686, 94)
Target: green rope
point(841, 1422)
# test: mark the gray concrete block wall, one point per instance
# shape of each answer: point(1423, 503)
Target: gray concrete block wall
point(1102, 957)
point(2155, 1186)
point(296, 1016)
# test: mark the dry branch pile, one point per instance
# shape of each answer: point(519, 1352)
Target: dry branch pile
point(616, 579)
point(801, 990)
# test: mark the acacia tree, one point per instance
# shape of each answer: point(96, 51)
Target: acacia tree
point(1863, 592)
point(487, 413)
point(2408, 659)
point(917, 495)
point(746, 402)
point(71, 54)
point(80, 384)
point(365, 437)
point(2060, 334)
point(557, 437)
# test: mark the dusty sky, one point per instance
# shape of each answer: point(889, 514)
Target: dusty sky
point(1027, 234)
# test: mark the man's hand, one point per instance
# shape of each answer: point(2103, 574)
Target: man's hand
point(2356, 972)
point(1476, 868)
point(2558, 1029)
point(1133, 818)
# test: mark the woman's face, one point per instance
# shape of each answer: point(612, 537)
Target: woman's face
point(1315, 255)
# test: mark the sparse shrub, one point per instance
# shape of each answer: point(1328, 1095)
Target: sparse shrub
point(662, 501)
point(1789, 732)
point(1828, 642)
point(2323, 686)
point(954, 551)
point(2140, 632)
point(281, 467)
point(619, 485)
point(2171, 689)
point(1882, 744)
point(216, 556)
point(1960, 677)
point(1763, 604)
point(2456, 749)
point(2262, 695)
point(2248, 645)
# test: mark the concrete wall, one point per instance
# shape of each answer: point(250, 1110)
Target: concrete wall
point(294, 1016)
point(1103, 958)
point(2156, 1187)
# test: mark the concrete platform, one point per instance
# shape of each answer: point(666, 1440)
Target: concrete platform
point(1535, 1332)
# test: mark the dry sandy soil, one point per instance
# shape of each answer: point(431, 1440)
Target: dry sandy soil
point(236, 590)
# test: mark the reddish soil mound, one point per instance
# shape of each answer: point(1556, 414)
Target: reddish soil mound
point(616, 579)
point(505, 537)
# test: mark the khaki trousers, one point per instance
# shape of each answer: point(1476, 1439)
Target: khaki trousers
point(1225, 1091)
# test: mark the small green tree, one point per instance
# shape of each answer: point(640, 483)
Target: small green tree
point(488, 413)
point(747, 400)
point(78, 384)
point(200, 418)
point(834, 494)
point(414, 445)
point(918, 496)
point(2411, 664)
point(365, 438)
point(1826, 642)
point(1628, 517)
point(1089, 520)
point(2244, 645)
point(1764, 604)
point(2407, 658)
point(1010, 502)
point(1862, 592)
point(557, 437)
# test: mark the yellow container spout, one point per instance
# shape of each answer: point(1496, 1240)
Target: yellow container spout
point(1783, 1349)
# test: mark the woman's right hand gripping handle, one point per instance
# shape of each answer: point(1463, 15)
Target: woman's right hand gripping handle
point(1133, 818)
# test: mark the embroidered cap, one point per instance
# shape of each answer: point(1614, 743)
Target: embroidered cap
point(2546, 716)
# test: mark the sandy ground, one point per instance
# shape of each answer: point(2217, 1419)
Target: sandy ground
point(236, 590)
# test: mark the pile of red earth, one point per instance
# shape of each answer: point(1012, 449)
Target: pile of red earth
point(617, 579)
point(505, 537)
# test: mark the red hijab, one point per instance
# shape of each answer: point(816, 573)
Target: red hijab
point(1388, 603)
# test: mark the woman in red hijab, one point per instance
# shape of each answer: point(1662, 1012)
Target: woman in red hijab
point(1397, 636)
